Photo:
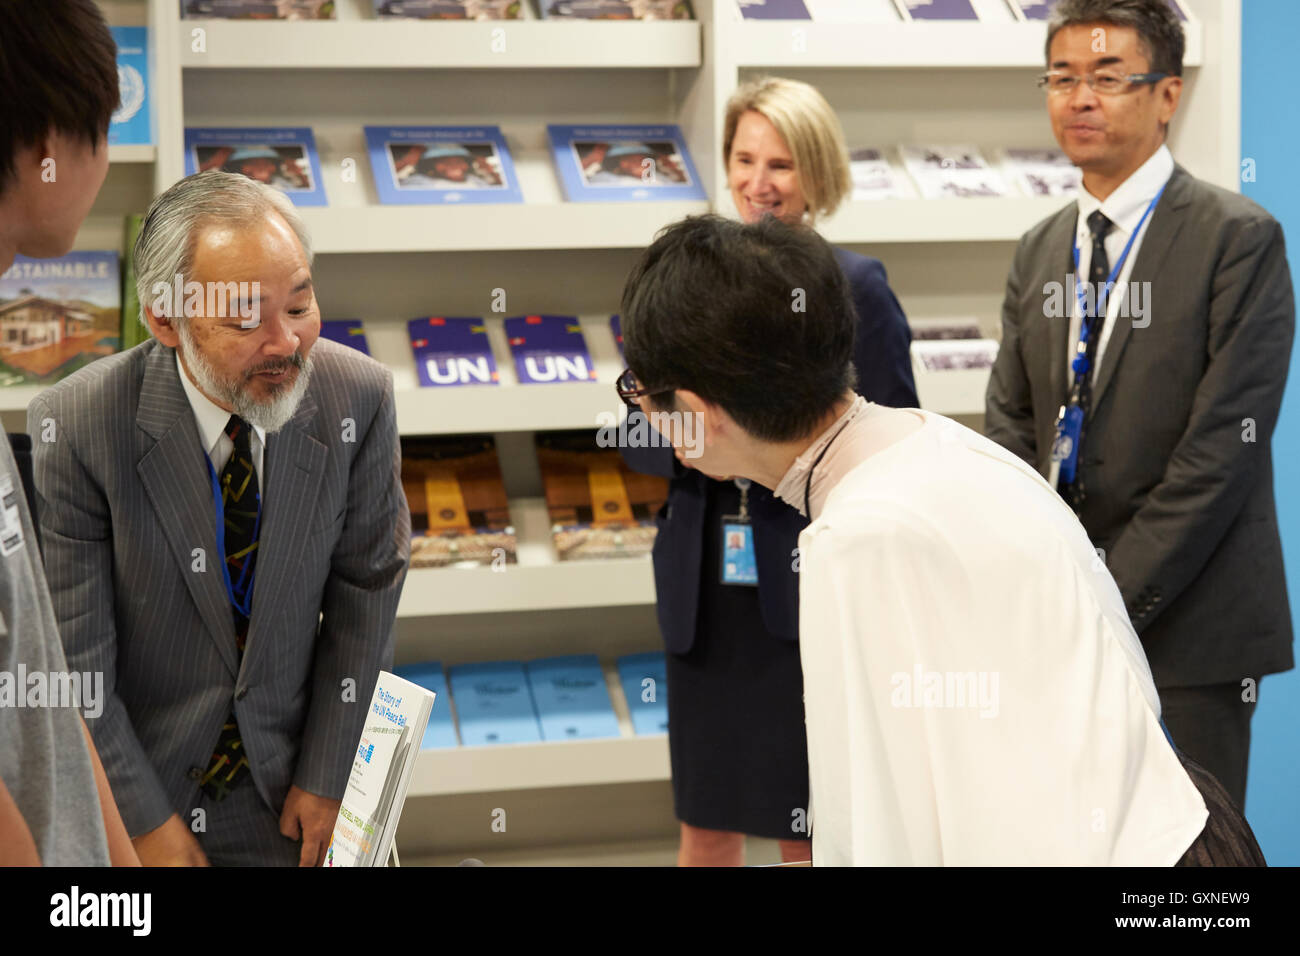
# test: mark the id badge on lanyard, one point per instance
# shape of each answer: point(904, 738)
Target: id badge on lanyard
point(739, 566)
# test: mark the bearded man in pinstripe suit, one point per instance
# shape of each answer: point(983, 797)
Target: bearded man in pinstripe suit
point(225, 536)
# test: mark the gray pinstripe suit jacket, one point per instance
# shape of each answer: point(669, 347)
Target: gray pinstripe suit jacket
point(124, 500)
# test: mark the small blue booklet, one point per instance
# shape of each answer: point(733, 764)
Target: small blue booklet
point(614, 9)
point(284, 157)
point(349, 332)
point(620, 163)
point(616, 326)
point(132, 123)
point(452, 351)
point(441, 729)
point(442, 164)
point(549, 348)
point(936, 9)
point(645, 685)
point(773, 10)
point(494, 704)
point(571, 697)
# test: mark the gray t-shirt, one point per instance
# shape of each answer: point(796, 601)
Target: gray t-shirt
point(44, 762)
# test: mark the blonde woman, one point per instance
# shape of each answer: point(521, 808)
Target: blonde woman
point(735, 706)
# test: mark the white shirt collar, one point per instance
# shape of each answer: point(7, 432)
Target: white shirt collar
point(1124, 207)
point(210, 417)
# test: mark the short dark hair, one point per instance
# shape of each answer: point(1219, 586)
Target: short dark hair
point(756, 319)
point(1159, 32)
point(58, 71)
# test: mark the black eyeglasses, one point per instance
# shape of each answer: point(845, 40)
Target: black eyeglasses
point(629, 389)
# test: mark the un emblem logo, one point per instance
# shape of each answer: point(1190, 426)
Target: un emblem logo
point(1062, 447)
point(131, 89)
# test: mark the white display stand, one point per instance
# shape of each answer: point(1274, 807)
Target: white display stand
point(902, 82)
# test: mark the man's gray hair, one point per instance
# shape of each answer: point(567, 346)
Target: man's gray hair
point(164, 249)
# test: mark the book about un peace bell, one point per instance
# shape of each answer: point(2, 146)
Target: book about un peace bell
point(598, 507)
point(460, 515)
point(58, 315)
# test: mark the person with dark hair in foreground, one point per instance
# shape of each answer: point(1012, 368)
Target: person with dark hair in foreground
point(58, 70)
point(974, 691)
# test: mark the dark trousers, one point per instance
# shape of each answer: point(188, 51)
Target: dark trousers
point(1211, 724)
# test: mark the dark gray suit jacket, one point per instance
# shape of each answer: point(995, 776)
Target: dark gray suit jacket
point(1179, 500)
point(125, 499)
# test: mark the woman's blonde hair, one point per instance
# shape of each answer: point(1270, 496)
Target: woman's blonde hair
point(811, 131)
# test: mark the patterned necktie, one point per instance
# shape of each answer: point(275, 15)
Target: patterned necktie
point(1098, 272)
point(241, 504)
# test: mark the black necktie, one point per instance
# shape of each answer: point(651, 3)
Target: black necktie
point(1098, 273)
point(241, 503)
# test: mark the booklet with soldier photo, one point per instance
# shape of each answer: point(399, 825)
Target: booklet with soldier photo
point(1042, 172)
point(605, 163)
point(58, 315)
point(614, 9)
point(451, 9)
point(460, 515)
point(947, 172)
point(598, 507)
point(283, 157)
point(381, 773)
point(442, 164)
point(258, 9)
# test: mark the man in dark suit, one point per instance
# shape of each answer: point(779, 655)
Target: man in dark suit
point(1177, 376)
point(225, 536)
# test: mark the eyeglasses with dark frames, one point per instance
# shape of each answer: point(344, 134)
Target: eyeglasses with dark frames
point(629, 389)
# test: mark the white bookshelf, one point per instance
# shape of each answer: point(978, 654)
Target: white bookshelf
point(132, 153)
point(890, 83)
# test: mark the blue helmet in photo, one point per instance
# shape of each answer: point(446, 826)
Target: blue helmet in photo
point(446, 152)
point(253, 152)
point(629, 149)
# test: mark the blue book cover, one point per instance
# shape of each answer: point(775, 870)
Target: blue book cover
point(494, 704)
point(349, 332)
point(644, 678)
point(284, 157)
point(441, 164)
point(614, 9)
point(616, 326)
point(773, 10)
point(58, 315)
point(623, 163)
point(441, 729)
point(452, 351)
point(132, 123)
point(549, 348)
point(571, 698)
point(937, 9)
point(1041, 9)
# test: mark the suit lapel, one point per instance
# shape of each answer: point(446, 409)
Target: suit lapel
point(1166, 221)
point(179, 487)
point(1058, 267)
point(294, 463)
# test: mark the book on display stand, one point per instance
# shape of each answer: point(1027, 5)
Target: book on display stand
point(442, 164)
point(944, 172)
point(614, 9)
point(494, 704)
point(549, 349)
point(598, 507)
point(132, 122)
point(571, 698)
point(58, 315)
point(873, 175)
point(381, 773)
point(1042, 9)
point(450, 9)
point(774, 10)
point(284, 157)
point(936, 10)
point(1042, 172)
point(620, 163)
point(460, 514)
point(257, 9)
point(452, 352)
point(645, 687)
point(349, 332)
point(440, 732)
point(616, 327)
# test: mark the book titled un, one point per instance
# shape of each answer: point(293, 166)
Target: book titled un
point(381, 773)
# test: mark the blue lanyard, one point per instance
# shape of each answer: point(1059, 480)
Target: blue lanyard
point(1080, 364)
point(244, 607)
